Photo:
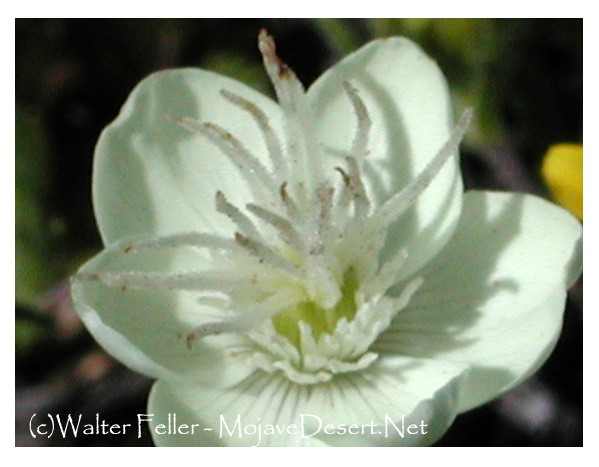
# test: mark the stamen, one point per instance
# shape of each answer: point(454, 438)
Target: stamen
point(289, 89)
point(193, 239)
point(193, 281)
point(408, 292)
point(390, 269)
point(316, 228)
point(320, 282)
point(219, 302)
point(345, 176)
point(285, 228)
point(357, 187)
point(273, 144)
point(265, 254)
point(394, 263)
point(400, 202)
point(346, 191)
point(303, 152)
point(289, 203)
point(325, 197)
point(241, 323)
point(210, 329)
point(239, 218)
point(359, 149)
point(250, 167)
point(360, 143)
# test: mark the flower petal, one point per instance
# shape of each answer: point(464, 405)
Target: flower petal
point(373, 407)
point(146, 329)
point(409, 104)
point(496, 295)
point(151, 175)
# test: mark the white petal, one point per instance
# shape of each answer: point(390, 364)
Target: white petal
point(146, 329)
point(496, 295)
point(393, 391)
point(151, 175)
point(408, 101)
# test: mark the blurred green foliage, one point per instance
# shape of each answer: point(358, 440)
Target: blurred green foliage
point(34, 271)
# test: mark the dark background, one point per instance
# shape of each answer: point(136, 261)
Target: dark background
point(523, 77)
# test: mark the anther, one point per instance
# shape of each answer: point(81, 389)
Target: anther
point(193, 239)
point(360, 143)
point(288, 88)
point(345, 176)
point(209, 329)
point(273, 144)
point(265, 254)
point(285, 228)
point(250, 167)
point(401, 201)
point(193, 281)
point(239, 218)
point(289, 203)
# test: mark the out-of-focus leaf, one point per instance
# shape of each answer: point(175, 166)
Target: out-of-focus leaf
point(27, 334)
point(34, 270)
point(238, 67)
point(343, 35)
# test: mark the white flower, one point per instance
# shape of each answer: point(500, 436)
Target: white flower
point(315, 256)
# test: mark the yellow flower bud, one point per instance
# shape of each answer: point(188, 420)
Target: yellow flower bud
point(562, 171)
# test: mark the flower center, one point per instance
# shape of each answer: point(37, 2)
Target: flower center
point(302, 281)
point(320, 320)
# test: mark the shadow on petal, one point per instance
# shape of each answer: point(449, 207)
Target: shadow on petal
point(146, 328)
point(137, 154)
point(457, 287)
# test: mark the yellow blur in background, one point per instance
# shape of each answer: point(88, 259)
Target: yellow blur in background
point(562, 171)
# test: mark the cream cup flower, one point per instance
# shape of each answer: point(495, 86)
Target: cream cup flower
point(315, 263)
